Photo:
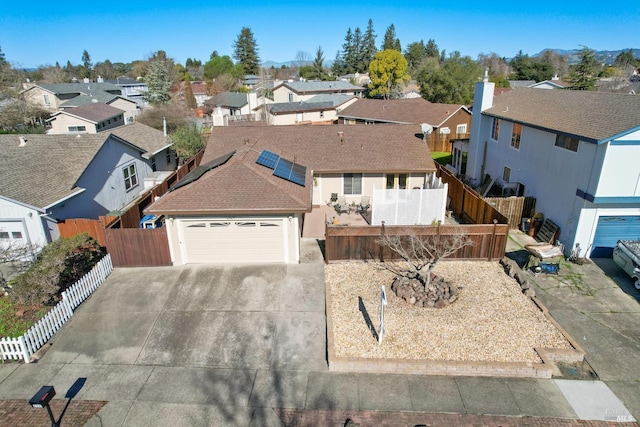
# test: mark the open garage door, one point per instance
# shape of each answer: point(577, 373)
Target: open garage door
point(233, 241)
point(610, 229)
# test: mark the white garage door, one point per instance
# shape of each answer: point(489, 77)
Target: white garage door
point(12, 234)
point(233, 241)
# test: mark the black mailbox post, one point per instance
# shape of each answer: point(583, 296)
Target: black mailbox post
point(41, 400)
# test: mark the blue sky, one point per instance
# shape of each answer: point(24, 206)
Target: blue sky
point(41, 33)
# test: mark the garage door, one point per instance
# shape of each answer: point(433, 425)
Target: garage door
point(611, 229)
point(246, 241)
point(12, 234)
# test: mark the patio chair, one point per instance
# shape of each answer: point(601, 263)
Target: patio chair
point(364, 205)
point(341, 205)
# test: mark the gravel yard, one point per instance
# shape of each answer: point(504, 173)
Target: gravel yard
point(491, 320)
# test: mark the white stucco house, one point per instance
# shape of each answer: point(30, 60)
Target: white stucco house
point(248, 199)
point(576, 152)
point(56, 177)
point(90, 118)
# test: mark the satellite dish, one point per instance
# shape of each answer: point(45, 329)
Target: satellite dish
point(426, 128)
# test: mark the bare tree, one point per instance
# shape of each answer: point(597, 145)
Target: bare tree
point(420, 254)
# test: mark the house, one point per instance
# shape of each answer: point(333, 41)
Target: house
point(132, 89)
point(52, 96)
point(56, 177)
point(230, 106)
point(89, 118)
point(318, 109)
point(576, 152)
point(199, 90)
point(299, 91)
point(248, 200)
point(129, 106)
point(445, 119)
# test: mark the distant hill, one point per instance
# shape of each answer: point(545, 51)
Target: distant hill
point(603, 56)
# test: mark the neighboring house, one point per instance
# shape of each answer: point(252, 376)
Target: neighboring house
point(411, 90)
point(447, 119)
point(89, 118)
point(52, 96)
point(156, 146)
point(199, 90)
point(132, 89)
point(230, 106)
point(234, 209)
point(356, 78)
point(129, 107)
point(56, 177)
point(319, 109)
point(299, 91)
point(576, 152)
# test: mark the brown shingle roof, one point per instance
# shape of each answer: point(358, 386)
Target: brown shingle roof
point(414, 110)
point(47, 167)
point(150, 140)
point(93, 112)
point(241, 185)
point(591, 116)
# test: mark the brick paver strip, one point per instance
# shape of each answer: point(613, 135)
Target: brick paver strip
point(18, 413)
point(331, 418)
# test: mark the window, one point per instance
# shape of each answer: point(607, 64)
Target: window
point(396, 181)
point(506, 174)
point(130, 177)
point(351, 121)
point(402, 181)
point(153, 163)
point(46, 99)
point(290, 97)
point(4, 235)
point(460, 129)
point(516, 133)
point(76, 129)
point(352, 183)
point(390, 181)
point(567, 142)
point(16, 234)
point(495, 129)
point(168, 156)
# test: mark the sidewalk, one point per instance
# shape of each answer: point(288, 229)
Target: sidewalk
point(142, 384)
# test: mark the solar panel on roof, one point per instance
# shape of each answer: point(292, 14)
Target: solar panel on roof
point(195, 174)
point(290, 171)
point(268, 159)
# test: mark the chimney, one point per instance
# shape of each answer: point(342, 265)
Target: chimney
point(23, 142)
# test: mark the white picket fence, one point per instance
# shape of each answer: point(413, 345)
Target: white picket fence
point(26, 345)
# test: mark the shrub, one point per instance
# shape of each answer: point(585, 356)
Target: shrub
point(59, 265)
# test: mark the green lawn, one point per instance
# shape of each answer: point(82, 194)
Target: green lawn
point(13, 325)
point(441, 157)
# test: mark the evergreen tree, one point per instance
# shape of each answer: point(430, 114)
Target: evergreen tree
point(414, 54)
point(390, 40)
point(158, 83)
point(357, 51)
point(85, 70)
point(584, 75)
point(245, 51)
point(348, 54)
point(338, 65)
point(431, 49)
point(317, 70)
point(368, 49)
point(189, 97)
point(625, 59)
point(450, 82)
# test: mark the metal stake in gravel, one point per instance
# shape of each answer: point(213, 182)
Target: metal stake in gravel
point(383, 302)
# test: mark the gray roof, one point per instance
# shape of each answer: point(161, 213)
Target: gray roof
point(590, 116)
point(100, 97)
point(322, 86)
point(148, 139)
point(93, 112)
point(228, 99)
point(336, 99)
point(86, 88)
point(293, 107)
point(46, 169)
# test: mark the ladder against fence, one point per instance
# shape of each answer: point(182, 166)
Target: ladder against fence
point(25, 346)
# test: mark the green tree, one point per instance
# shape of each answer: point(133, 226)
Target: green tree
point(387, 71)
point(368, 48)
point(245, 51)
point(451, 82)
point(187, 142)
point(87, 66)
point(158, 83)
point(526, 68)
point(216, 66)
point(431, 49)
point(349, 54)
point(625, 59)
point(390, 40)
point(315, 71)
point(105, 70)
point(414, 54)
point(584, 75)
point(189, 97)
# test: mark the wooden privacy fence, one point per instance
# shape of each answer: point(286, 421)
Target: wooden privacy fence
point(26, 345)
point(511, 207)
point(94, 228)
point(360, 243)
point(467, 204)
point(138, 247)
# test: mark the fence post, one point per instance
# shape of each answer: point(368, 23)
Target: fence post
point(493, 239)
point(25, 351)
point(66, 303)
point(382, 233)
